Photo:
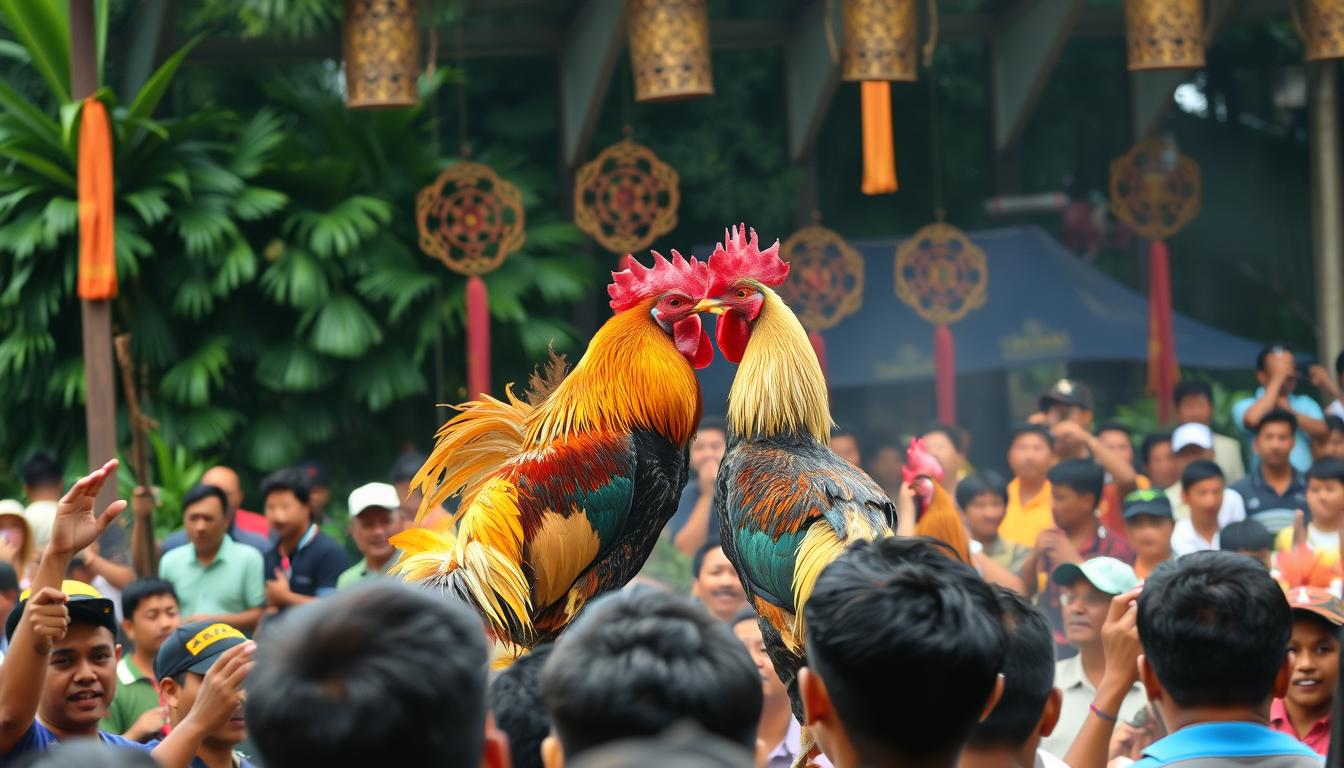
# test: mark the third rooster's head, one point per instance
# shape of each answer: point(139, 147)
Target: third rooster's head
point(741, 275)
point(669, 292)
point(921, 471)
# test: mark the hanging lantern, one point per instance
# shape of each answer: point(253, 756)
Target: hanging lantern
point(1164, 34)
point(825, 283)
point(1323, 29)
point(881, 40)
point(471, 220)
point(626, 197)
point(382, 54)
point(942, 275)
point(669, 49)
point(1155, 190)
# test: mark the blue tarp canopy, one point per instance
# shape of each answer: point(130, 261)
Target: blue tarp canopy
point(1044, 305)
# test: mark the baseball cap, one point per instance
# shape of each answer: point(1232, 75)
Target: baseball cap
point(1105, 573)
point(10, 507)
point(195, 647)
point(1318, 601)
point(373, 495)
point(406, 465)
point(1192, 433)
point(85, 604)
point(315, 472)
point(1068, 392)
point(41, 517)
point(1148, 501)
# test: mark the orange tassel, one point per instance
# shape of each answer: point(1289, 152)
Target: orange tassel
point(879, 150)
point(97, 248)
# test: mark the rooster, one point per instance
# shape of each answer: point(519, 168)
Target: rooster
point(935, 513)
point(564, 495)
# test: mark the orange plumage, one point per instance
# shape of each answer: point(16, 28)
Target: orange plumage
point(937, 514)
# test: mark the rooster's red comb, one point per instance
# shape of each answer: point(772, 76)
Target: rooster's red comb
point(739, 256)
point(637, 282)
point(920, 463)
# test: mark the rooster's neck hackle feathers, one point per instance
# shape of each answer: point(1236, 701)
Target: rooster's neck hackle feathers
point(779, 385)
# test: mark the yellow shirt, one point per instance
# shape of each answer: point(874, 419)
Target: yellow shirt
point(1023, 523)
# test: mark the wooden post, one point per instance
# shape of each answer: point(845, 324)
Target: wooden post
point(1326, 208)
point(100, 404)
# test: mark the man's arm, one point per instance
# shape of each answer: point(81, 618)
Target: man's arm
point(1279, 366)
point(1120, 636)
point(695, 532)
point(1311, 419)
point(997, 574)
point(117, 575)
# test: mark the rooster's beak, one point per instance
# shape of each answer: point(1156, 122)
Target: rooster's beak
point(711, 305)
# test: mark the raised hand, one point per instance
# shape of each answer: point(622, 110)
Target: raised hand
point(48, 617)
point(75, 526)
point(221, 694)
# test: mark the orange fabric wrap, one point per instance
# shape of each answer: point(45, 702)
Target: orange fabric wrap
point(97, 249)
point(879, 150)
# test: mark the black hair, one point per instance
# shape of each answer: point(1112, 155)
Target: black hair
point(42, 469)
point(1115, 426)
point(1326, 469)
point(972, 487)
point(377, 667)
point(291, 480)
point(1150, 442)
point(698, 559)
point(1339, 365)
point(1245, 536)
point(9, 578)
point(1191, 388)
point(1082, 476)
point(91, 753)
point(954, 436)
point(515, 699)
point(1334, 423)
point(1028, 428)
point(1215, 627)
point(900, 614)
point(683, 746)
point(1198, 471)
point(201, 492)
point(1028, 675)
point(634, 664)
point(1265, 352)
point(711, 423)
point(1279, 416)
point(142, 589)
point(746, 614)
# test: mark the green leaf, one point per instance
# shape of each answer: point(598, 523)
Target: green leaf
point(256, 140)
point(204, 226)
point(9, 201)
point(100, 12)
point(44, 29)
point(66, 382)
point(12, 50)
point(296, 279)
point(270, 443)
point(151, 93)
point(258, 203)
point(384, 378)
point(149, 203)
point(400, 284)
point(293, 366)
point(343, 328)
point(193, 297)
point(60, 218)
point(38, 164)
point(239, 266)
point(206, 427)
point(540, 333)
point(190, 381)
point(23, 348)
point(340, 231)
point(39, 124)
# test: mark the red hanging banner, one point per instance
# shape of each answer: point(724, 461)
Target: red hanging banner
point(1162, 371)
point(945, 373)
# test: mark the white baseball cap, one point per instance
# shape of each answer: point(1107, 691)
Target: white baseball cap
point(1191, 433)
point(373, 495)
point(41, 517)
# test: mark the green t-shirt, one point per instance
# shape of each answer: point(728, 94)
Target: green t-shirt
point(135, 696)
point(360, 572)
point(232, 583)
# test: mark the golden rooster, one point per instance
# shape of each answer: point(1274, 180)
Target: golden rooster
point(565, 498)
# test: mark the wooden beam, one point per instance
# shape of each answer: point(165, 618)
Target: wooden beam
point(1024, 52)
point(586, 62)
point(811, 71)
point(1151, 90)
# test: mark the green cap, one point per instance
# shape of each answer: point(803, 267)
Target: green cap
point(1105, 573)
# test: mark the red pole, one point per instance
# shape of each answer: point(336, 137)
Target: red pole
point(478, 338)
point(945, 373)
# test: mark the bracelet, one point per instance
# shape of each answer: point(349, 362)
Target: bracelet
point(1100, 714)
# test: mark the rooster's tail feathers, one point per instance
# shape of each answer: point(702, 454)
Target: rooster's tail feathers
point(821, 545)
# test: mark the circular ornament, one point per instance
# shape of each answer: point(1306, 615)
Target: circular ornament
point(626, 197)
point(469, 218)
point(941, 274)
point(1155, 189)
point(825, 282)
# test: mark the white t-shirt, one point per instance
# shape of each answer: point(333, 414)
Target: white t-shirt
point(1185, 539)
point(1335, 409)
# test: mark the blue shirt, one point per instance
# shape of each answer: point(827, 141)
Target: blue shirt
point(315, 566)
point(1300, 458)
point(1249, 744)
point(197, 762)
point(38, 738)
point(1267, 506)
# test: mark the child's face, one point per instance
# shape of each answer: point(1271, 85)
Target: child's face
point(1334, 445)
point(1205, 497)
point(1326, 500)
point(1150, 536)
point(1315, 663)
point(984, 513)
point(1069, 506)
point(1029, 456)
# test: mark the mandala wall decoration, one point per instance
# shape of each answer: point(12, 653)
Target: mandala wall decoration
point(825, 282)
point(471, 220)
point(626, 197)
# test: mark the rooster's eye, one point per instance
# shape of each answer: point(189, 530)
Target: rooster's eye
point(741, 293)
point(674, 302)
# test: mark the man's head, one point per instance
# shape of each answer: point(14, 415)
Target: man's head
point(748, 629)
point(983, 499)
point(1067, 400)
point(1191, 442)
point(227, 481)
point(710, 443)
point(319, 485)
point(180, 668)
point(205, 517)
point(886, 465)
point(945, 443)
point(1317, 616)
point(1116, 438)
point(285, 495)
point(846, 446)
point(1088, 589)
point(1215, 630)
point(1276, 356)
point(515, 701)
point(1029, 708)
point(715, 583)
point(403, 471)
point(1325, 492)
point(1149, 524)
point(1075, 489)
point(1194, 402)
point(893, 615)
point(635, 663)
point(15, 529)
point(43, 477)
point(1249, 538)
point(377, 667)
point(1202, 487)
point(1274, 437)
point(149, 610)
point(1030, 451)
point(1334, 440)
point(1158, 460)
point(375, 514)
point(82, 667)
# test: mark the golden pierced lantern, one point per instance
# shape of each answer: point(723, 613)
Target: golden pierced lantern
point(1164, 34)
point(382, 54)
point(669, 49)
point(1323, 28)
point(881, 40)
